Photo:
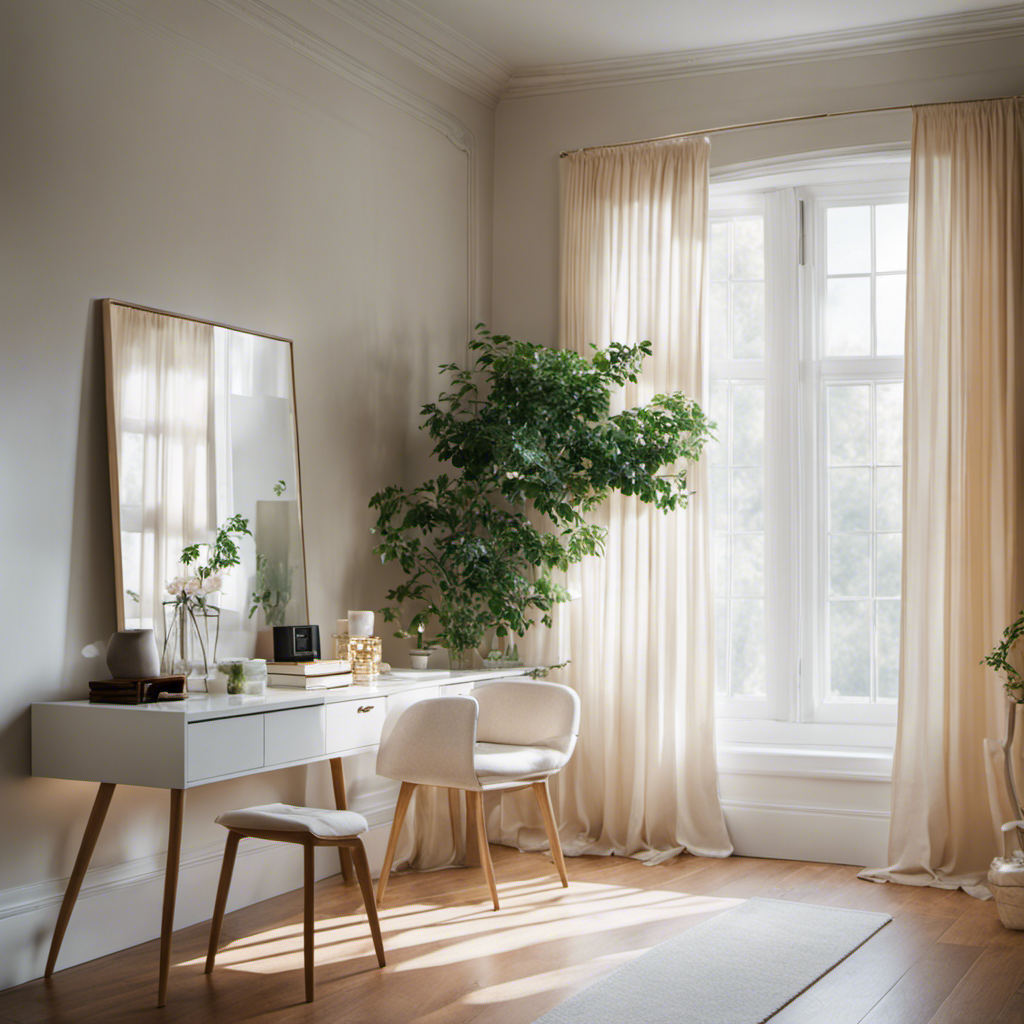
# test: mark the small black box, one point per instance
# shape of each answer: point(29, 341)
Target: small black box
point(296, 643)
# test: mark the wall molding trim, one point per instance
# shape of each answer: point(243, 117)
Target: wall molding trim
point(428, 43)
point(917, 33)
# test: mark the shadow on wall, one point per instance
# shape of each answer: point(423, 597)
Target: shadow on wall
point(92, 610)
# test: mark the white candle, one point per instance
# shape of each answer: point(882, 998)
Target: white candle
point(360, 623)
point(342, 627)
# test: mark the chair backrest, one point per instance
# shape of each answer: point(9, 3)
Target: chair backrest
point(430, 743)
point(528, 713)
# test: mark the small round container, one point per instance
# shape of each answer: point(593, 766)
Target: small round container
point(240, 677)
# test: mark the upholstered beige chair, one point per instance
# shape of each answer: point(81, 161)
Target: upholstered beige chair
point(307, 827)
point(506, 735)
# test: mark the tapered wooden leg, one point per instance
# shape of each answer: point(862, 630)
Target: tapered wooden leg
point(472, 858)
point(366, 884)
point(228, 865)
point(540, 791)
point(453, 811)
point(477, 798)
point(92, 833)
point(404, 796)
point(170, 890)
point(341, 802)
point(308, 880)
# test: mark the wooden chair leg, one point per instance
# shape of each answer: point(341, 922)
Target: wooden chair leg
point(230, 849)
point(170, 890)
point(477, 799)
point(472, 858)
point(366, 884)
point(341, 803)
point(453, 811)
point(404, 796)
point(307, 918)
point(92, 833)
point(540, 791)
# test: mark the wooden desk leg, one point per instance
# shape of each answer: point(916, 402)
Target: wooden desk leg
point(472, 846)
point(341, 802)
point(170, 889)
point(85, 851)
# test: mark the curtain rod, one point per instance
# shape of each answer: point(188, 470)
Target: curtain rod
point(782, 120)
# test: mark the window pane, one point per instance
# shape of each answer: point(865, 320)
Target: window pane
point(889, 423)
point(849, 500)
point(849, 424)
point(748, 248)
point(848, 234)
point(849, 565)
point(719, 250)
point(848, 317)
point(748, 565)
point(887, 647)
point(850, 649)
point(720, 498)
point(718, 321)
point(889, 512)
point(748, 320)
point(722, 555)
point(889, 550)
point(722, 646)
point(747, 500)
point(718, 411)
point(748, 424)
point(891, 237)
point(748, 649)
point(890, 314)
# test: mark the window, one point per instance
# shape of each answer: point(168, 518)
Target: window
point(805, 329)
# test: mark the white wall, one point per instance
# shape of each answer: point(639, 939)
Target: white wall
point(178, 155)
point(804, 802)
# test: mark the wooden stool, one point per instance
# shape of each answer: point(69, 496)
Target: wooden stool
point(309, 827)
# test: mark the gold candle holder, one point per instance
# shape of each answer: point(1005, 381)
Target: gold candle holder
point(340, 646)
point(364, 654)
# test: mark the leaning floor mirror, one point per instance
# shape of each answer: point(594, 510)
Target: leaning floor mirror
point(202, 434)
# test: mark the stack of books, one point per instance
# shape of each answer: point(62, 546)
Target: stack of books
point(309, 675)
point(137, 691)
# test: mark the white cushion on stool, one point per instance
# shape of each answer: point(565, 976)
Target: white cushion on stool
point(317, 821)
point(511, 759)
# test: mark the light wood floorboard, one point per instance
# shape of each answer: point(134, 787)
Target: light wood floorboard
point(945, 959)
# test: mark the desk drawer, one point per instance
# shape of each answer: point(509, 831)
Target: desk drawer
point(457, 689)
point(296, 734)
point(354, 723)
point(225, 746)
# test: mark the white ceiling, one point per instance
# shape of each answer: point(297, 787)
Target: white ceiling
point(529, 33)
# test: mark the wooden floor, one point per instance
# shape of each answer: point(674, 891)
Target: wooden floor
point(944, 958)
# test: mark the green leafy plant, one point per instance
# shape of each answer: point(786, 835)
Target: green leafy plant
point(999, 659)
point(533, 448)
point(272, 590)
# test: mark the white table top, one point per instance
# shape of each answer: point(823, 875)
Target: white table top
point(201, 706)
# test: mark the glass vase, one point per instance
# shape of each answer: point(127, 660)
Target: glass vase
point(188, 650)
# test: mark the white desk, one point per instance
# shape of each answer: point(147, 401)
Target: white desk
point(204, 739)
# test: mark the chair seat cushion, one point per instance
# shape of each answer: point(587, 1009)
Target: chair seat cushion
point(505, 760)
point(319, 822)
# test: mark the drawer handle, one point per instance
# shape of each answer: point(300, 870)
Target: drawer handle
point(361, 711)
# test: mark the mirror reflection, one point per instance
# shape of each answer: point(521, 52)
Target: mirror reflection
point(201, 419)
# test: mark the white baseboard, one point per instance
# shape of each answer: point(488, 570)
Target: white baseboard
point(120, 906)
point(794, 832)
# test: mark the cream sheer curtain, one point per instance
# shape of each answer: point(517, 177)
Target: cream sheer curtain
point(964, 468)
point(162, 368)
point(643, 781)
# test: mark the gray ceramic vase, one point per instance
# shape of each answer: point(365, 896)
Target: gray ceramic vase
point(132, 654)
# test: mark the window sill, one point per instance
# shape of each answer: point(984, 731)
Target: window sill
point(848, 753)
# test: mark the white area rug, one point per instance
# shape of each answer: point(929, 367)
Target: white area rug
point(738, 968)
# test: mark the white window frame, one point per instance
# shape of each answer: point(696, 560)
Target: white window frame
point(793, 712)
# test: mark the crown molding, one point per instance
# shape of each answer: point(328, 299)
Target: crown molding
point(428, 43)
point(918, 33)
